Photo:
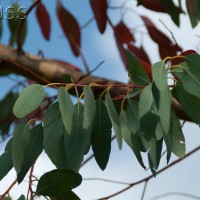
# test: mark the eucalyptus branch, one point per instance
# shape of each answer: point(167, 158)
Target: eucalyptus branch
point(8, 190)
point(106, 180)
point(151, 176)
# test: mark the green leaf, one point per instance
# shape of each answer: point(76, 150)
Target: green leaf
point(6, 105)
point(58, 182)
point(68, 196)
point(22, 197)
point(193, 62)
point(6, 163)
point(132, 115)
point(67, 78)
point(148, 118)
point(77, 142)
point(20, 142)
point(89, 107)
point(136, 71)
point(163, 101)
point(159, 131)
point(26, 103)
point(33, 151)
point(132, 140)
point(134, 93)
point(189, 79)
point(53, 127)
point(101, 134)
point(155, 151)
point(175, 137)
point(13, 23)
point(66, 108)
point(190, 103)
point(193, 7)
point(159, 74)
point(114, 119)
point(57, 154)
point(172, 10)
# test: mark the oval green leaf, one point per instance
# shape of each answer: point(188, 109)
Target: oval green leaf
point(114, 119)
point(58, 182)
point(66, 108)
point(29, 99)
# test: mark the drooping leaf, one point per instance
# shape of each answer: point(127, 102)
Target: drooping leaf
point(190, 103)
point(139, 52)
point(57, 154)
point(20, 142)
point(89, 107)
point(163, 41)
point(66, 107)
point(58, 182)
point(99, 8)
point(148, 118)
point(70, 28)
point(123, 36)
point(131, 139)
point(163, 101)
point(101, 135)
point(14, 18)
point(25, 104)
point(114, 119)
point(152, 5)
point(132, 115)
point(44, 20)
point(193, 61)
point(6, 114)
point(155, 151)
point(6, 163)
point(159, 134)
point(53, 127)
point(77, 142)
point(159, 74)
point(193, 11)
point(33, 151)
point(172, 10)
point(136, 71)
point(175, 137)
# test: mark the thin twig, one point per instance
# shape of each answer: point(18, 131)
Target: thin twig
point(106, 180)
point(151, 176)
point(8, 190)
point(169, 31)
point(144, 190)
point(175, 194)
point(21, 25)
point(87, 23)
point(89, 73)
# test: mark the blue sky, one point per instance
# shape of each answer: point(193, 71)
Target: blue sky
point(122, 166)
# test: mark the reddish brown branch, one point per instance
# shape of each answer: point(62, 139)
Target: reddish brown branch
point(151, 176)
point(47, 71)
point(8, 190)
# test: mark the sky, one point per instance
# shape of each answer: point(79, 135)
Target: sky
point(122, 166)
